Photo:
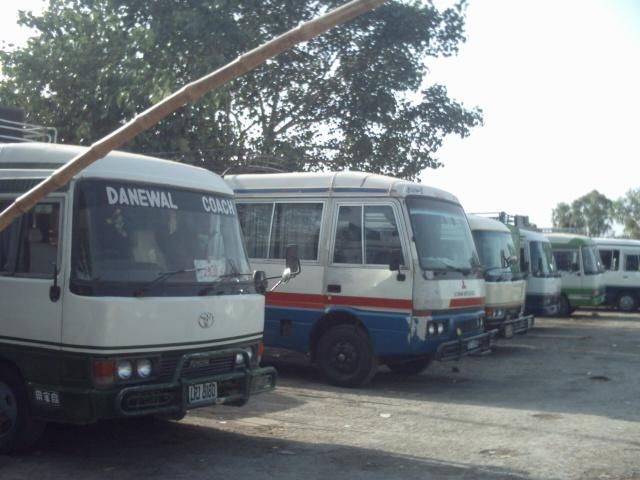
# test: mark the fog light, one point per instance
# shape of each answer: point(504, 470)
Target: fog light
point(143, 368)
point(125, 369)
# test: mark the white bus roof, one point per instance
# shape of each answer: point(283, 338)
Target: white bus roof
point(330, 183)
point(38, 160)
point(533, 236)
point(477, 222)
point(617, 242)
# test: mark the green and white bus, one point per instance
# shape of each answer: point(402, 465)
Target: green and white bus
point(126, 292)
point(581, 271)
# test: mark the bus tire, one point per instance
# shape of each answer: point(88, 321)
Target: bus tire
point(565, 307)
point(627, 303)
point(19, 431)
point(410, 367)
point(345, 357)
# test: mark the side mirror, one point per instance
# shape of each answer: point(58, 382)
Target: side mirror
point(260, 281)
point(394, 266)
point(292, 262)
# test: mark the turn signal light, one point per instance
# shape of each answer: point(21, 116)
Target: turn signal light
point(104, 371)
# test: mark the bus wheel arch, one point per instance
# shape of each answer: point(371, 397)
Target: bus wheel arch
point(342, 350)
point(19, 431)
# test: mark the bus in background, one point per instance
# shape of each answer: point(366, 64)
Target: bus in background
point(581, 271)
point(621, 262)
point(390, 273)
point(505, 283)
point(544, 285)
point(126, 292)
point(537, 263)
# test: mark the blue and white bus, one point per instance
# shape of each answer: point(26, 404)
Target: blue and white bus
point(390, 274)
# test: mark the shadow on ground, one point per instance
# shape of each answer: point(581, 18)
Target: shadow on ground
point(128, 450)
point(581, 365)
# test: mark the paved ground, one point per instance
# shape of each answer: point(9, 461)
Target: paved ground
point(562, 402)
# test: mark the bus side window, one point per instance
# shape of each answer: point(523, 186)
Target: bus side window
point(255, 221)
point(299, 224)
point(38, 243)
point(382, 240)
point(348, 242)
point(565, 259)
point(632, 263)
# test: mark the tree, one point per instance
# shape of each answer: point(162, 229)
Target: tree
point(354, 98)
point(592, 213)
point(627, 212)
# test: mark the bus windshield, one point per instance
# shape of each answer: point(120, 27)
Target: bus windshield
point(497, 252)
point(542, 263)
point(127, 236)
point(591, 260)
point(442, 236)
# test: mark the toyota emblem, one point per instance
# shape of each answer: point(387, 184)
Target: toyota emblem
point(205, 320)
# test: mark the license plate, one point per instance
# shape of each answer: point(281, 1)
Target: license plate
point(473, 344)
point(199, 393)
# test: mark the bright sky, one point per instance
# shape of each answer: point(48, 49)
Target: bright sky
point(559, 83)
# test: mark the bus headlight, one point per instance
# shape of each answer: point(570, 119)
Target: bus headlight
point(124, 369)
point(240, 357)
point(440, 328)
point(431, 329)
point(143, 368)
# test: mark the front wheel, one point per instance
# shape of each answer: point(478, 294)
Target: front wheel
point(565, 308)
point(345, 357)
point(18, 430)
point(627, 303)
point(410, 367)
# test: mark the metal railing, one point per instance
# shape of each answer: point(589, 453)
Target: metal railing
point(12, 132)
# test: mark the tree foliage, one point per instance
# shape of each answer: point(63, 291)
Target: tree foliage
point(355, 97)
point(627, 212)
point(595, 215)
point(592, 213)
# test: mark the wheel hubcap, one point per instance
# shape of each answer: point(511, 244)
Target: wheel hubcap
point(626, 303)
point(344, 357)
point(8, 410)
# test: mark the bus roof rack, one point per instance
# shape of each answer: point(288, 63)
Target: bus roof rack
point(237, 169)
point(508, 219)
point(13, 128)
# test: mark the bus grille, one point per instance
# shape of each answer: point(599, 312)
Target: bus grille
point(194, 368)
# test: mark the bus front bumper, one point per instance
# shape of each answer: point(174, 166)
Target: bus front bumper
point(463, 346)
point(509, 328)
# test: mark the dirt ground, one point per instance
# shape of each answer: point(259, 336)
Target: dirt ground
point(562, 402)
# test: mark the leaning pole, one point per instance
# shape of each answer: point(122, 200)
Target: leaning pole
point(189, 93)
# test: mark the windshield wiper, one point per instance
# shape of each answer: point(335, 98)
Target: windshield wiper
point(161, 278)
point(211, 287)
point(448, 267)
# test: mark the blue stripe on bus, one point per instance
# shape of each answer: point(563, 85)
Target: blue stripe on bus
point(390, 332)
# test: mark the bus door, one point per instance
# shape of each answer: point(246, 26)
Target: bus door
point(367, 241)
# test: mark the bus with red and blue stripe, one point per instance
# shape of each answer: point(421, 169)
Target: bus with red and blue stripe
point(390, 274)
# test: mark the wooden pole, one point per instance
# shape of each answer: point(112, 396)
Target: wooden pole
point(186, 94)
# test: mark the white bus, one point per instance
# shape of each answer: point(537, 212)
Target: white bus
point(505, 283)
point(389, 275)
point(543, 281)
point(621, 261)
point(126, 292)
point(581, 270)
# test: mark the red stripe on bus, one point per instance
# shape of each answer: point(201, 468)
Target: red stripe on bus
point(301, 300)
point(307, 300)
point(467, 302)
